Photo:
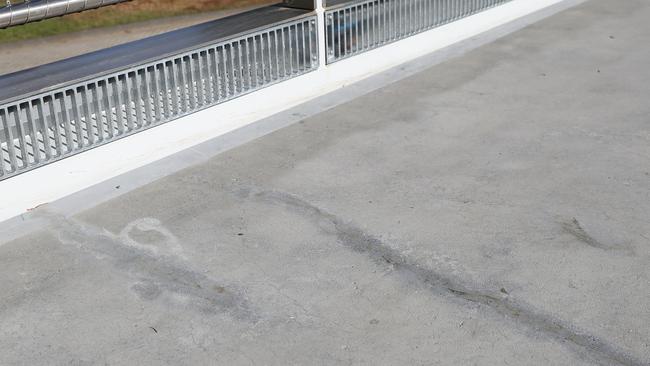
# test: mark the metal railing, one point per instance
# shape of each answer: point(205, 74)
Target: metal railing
point(362, 26)
point(47, 119)
point(74, 118)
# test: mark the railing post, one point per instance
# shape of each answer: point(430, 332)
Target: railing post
point(322, 29)
point(319, 7)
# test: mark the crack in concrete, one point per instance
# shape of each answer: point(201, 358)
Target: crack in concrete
point(357, 240)
point(574, 228)
point(157, 272)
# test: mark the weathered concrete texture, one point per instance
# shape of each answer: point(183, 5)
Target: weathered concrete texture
point(491, 210)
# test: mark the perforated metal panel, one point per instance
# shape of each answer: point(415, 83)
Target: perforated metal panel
point(70, 119)
point(362, 26)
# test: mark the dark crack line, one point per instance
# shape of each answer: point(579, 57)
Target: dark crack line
point(357, 240)
point(575, 229)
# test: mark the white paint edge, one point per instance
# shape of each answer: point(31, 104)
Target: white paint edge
point(57, 180)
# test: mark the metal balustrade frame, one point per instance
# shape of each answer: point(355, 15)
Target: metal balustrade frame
point(68, 120)
point(46, 119)
point(365, 25)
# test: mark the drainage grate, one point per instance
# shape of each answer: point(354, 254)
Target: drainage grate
point(67, 120)
point(362, 26)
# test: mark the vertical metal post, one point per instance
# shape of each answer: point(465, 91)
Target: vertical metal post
point(321, 29)
point(319, 7)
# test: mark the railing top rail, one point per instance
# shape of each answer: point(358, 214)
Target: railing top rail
point(33, 81)
point(329, 4)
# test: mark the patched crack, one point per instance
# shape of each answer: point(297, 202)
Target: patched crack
point(597, 350)
point(158, 270)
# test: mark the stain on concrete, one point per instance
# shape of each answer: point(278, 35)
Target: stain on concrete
point(157, 270)
point(147, 290)
point(592, 348)
point(149, 234)
point(574, 228)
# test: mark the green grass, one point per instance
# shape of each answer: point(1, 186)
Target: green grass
point(55, 26)
point(112, 15)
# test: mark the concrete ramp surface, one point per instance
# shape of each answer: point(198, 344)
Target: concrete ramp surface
point(490, 210)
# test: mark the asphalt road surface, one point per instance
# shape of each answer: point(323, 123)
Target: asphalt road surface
point(19, 55)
